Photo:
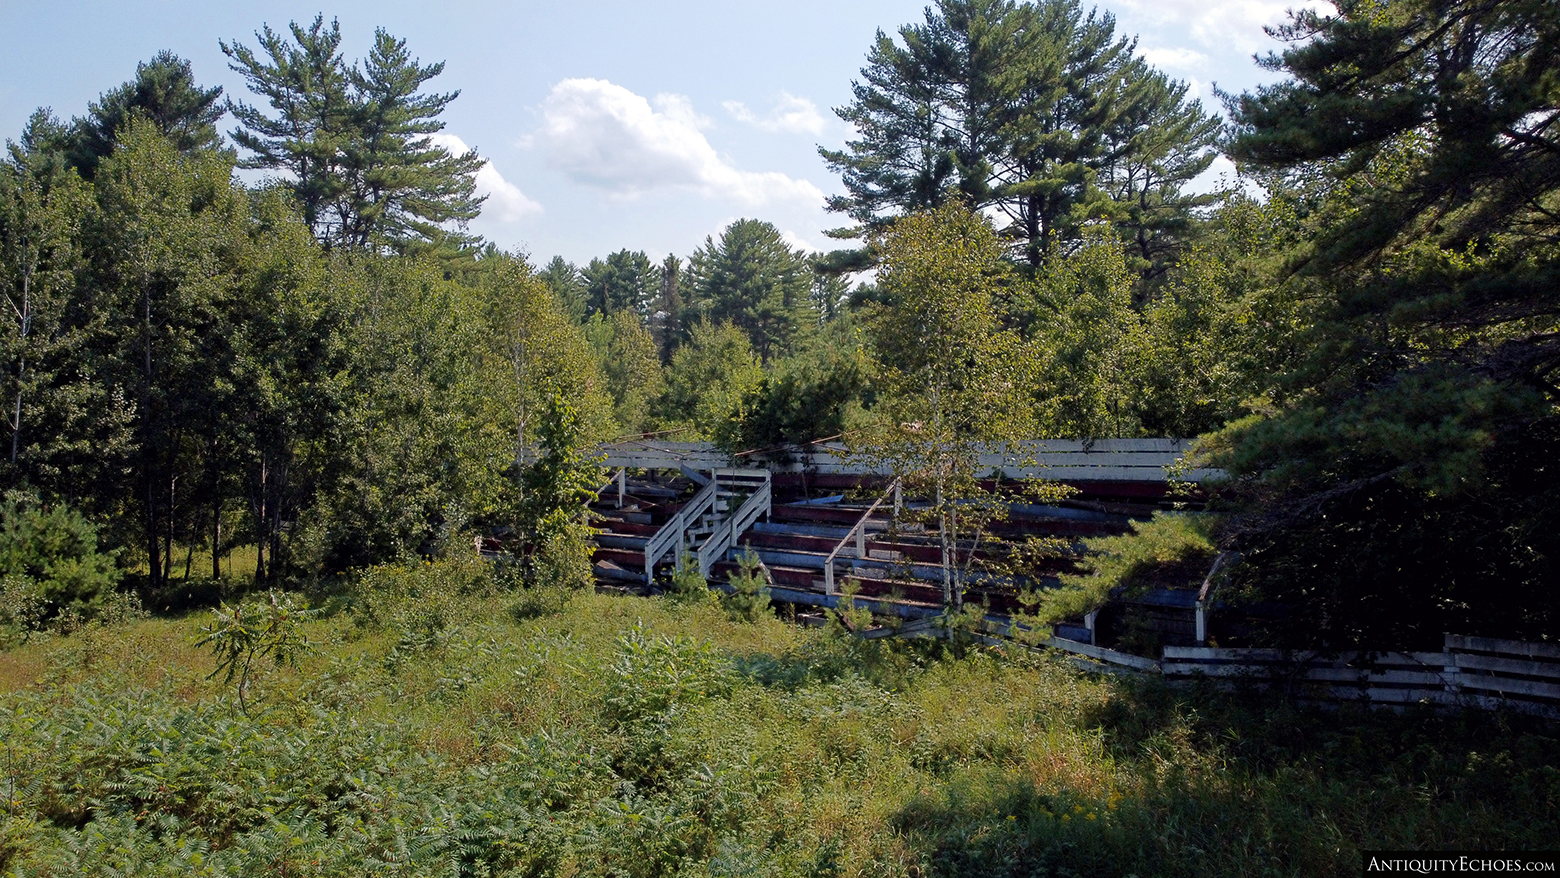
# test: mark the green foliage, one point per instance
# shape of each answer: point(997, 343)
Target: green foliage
point(632, 367)
point(688, 585)
point(815, 394)
point(1034, 110)
point(951, 379)
point(164, 93)
point(568, 289)
point(624, 281)
point(749, 595)
point(653, 675)
point(628, 737)
point(50, 560)
point(1087, 334)
point(1417, 141)
point(355, 141)
point(1170, 550)
point(753, 280)
point(708, 379)
point(42, 208)
point(1388, 563)
point(270, 628)
point(554, 491)
point(1223, 327)
point(23, 609)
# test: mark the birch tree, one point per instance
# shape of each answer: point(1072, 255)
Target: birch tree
point(953, 378)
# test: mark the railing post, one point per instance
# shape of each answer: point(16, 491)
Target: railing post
point(1092, 616)
point(898, 499)
point(861, 540)
point(622, 480)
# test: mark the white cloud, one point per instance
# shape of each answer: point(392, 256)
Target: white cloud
point(604, 135)
point(1222, 24)
point(1175, 59)
point(505, 202)
point(797, 242)
point(790, 114)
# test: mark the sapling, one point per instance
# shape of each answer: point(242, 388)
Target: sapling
point(256, 629)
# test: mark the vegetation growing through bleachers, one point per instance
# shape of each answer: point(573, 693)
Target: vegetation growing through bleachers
point(436, 725)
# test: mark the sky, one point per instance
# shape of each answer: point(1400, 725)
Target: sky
point(606, 124)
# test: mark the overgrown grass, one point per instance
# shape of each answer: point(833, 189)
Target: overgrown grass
point(442, 727)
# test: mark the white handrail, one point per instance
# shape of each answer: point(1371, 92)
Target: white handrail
point(725, 536)
point(860, 533)
point(675, 529)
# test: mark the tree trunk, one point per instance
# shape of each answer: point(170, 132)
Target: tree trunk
point(24, 324)
point(216, 538)
point(260, 523)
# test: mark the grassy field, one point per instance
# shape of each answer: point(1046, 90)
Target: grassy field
point(438, 728)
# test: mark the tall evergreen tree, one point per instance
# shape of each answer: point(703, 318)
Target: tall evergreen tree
point(754, 280)
point(1408, 466)
point(669, 323)
point(1035, 110)
point(624, 281)
point(401, 186)
point(563, 279)
point(355, 141)
point(164, 92)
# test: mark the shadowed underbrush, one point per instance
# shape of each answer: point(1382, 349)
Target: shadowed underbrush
point(440, 725)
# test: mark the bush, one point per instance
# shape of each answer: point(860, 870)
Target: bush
point(417, 597)
point(749, 595)
point(56, 549)
point(688, 584)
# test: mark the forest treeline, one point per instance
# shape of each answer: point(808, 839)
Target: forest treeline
point(327, 365)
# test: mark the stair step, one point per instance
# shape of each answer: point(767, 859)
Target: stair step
point(614, 573)
point(826, 515)
point(622, 557)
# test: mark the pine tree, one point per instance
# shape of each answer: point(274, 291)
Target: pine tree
point(355, 142)
point(624, 281)
point(563, 279)
point(754, 280)
point(669, 324)
point(1036, 110)
point(164, 93)
point(306, 83)
point(1404, 475)
point(400, 186)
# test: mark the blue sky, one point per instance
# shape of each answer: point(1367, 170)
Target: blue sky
point(606, 124)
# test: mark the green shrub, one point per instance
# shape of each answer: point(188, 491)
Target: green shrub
point(688, 585)
point(656, 674)
point(749, 596)
point(270, 628)
point(55, 548)
point(397, 596)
